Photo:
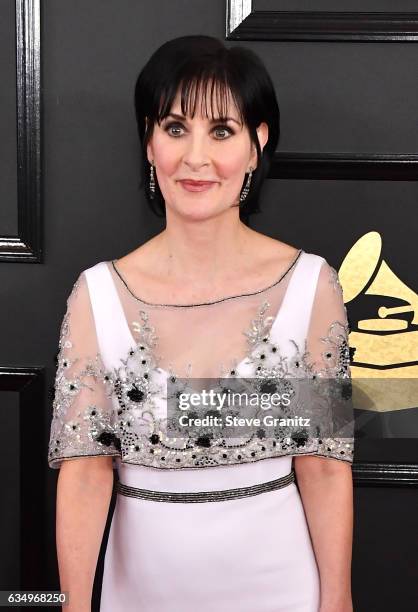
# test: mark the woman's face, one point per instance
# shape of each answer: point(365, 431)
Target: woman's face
point(199, 149)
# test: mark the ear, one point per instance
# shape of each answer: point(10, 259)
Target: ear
point(263, 136)
point(150, 153)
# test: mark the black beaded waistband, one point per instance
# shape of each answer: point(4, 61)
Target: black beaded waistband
point(206, 496)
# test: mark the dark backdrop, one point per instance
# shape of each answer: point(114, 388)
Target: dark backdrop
point(346, 165)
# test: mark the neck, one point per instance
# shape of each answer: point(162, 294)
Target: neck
point(203, 252)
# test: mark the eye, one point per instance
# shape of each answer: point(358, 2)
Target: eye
point(223, 128)
point(173, 127)
point(176, 126)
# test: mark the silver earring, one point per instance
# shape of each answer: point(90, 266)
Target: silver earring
point(246, 189)
point(152, 181)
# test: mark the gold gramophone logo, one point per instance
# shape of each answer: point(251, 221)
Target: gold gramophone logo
point(385, 345)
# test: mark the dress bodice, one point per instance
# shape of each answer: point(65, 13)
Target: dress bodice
point(117, 354)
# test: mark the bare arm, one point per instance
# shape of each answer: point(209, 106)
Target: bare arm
point(326, 489)
point(84, 490)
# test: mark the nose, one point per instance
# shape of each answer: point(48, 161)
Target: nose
point(196, 153)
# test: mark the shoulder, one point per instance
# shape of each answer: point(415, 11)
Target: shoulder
point(314, 258)
point(263, 243)
point(79, 287)
point(278, 251)
point(316, 268)
point(93, 267)
point(329, 297)
point(269, 254)
point(95, 274)
point(321, 264)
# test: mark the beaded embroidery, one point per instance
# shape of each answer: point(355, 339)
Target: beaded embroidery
point(130, 420)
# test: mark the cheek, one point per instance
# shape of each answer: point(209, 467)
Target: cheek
point(232, 160)
point(230, 167)
point(167, 158)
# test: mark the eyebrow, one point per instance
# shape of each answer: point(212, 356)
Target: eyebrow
point(182, 118)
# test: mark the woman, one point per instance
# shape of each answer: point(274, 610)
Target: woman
point(210, 521)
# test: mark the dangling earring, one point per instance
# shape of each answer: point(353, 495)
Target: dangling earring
point(246, 189)
point(152, 181)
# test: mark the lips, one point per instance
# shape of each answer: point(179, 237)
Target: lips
point(196, 185)
point(191, 182)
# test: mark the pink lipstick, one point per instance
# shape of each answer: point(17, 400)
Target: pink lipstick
point(197, 185)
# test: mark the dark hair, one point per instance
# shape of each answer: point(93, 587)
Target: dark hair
point(190, 64)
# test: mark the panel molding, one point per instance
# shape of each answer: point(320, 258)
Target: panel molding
point(243, 22)
point(26, 246)
point(385, 474)
point(30, 384)
point(345, 166)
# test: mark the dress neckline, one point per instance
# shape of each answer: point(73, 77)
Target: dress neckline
point(276, 319)
point(231, 297)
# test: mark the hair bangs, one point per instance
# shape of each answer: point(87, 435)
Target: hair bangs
point(211, 88)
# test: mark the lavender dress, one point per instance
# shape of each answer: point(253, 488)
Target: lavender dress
point(251, 553)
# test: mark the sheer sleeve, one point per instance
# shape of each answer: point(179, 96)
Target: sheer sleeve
point(329, 362)
point(83, 422)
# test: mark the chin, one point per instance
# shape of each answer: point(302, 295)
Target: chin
point(199, 212)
